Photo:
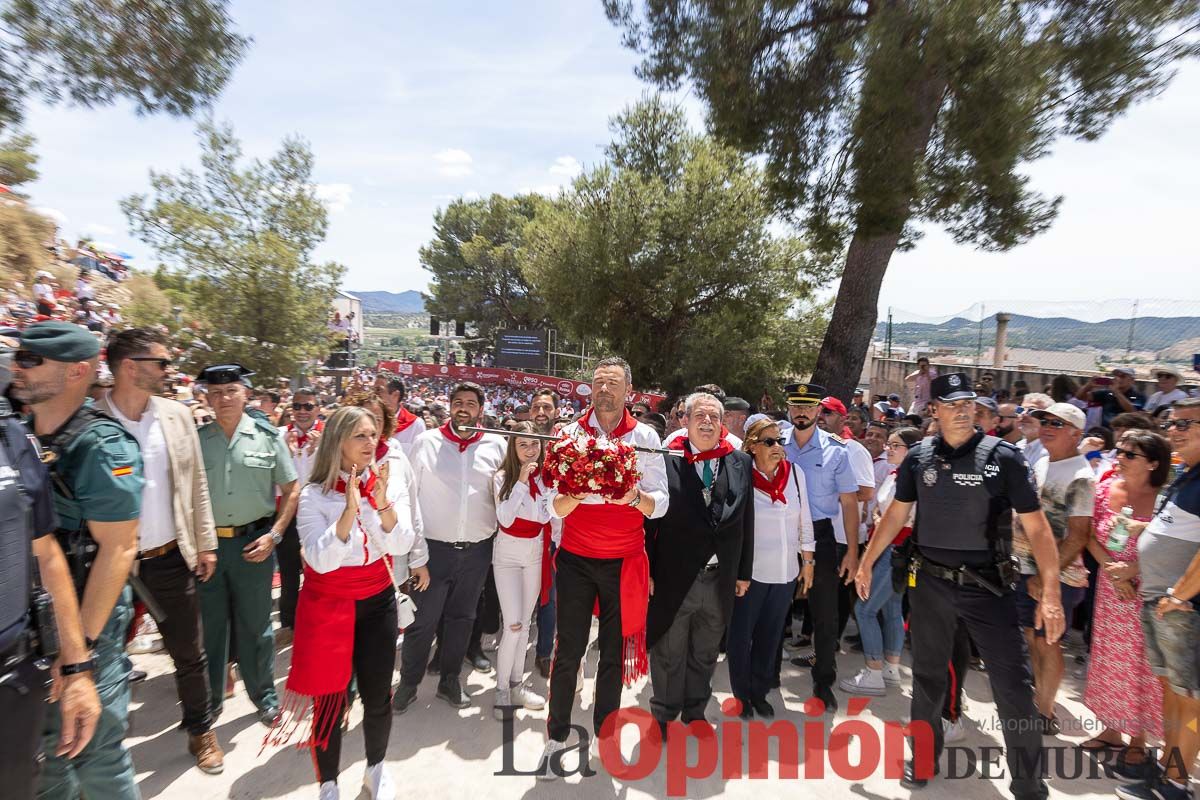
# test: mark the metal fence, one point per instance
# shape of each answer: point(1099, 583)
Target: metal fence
point(1071, 337)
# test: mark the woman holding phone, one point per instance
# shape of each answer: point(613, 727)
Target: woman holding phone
point(352, 518)
point(784, 548)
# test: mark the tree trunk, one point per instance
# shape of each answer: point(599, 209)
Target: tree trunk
point(855, 312)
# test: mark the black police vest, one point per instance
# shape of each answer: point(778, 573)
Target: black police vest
point(15, 538)
point(953, 503)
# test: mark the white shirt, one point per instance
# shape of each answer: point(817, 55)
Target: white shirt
point(681, 432)
point(304, 457)
point(454, 489)
point(519, 503)
point(407, 437)
point(399, 469)
point(654, 470)
point(43, 291)
point(1160, 398)
point(156, 525)
point(316, 522)
point(863, 467)
point(781, 531)
point(1034, 451)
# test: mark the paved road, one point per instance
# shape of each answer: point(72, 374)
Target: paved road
point(437, 751)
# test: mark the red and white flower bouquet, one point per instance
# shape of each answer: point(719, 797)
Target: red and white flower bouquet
point(582, 465)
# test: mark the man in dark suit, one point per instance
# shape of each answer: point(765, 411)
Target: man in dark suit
point(700, 558)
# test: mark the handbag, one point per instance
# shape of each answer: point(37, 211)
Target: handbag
point(406, 610)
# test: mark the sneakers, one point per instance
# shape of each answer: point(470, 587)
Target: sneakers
point(523, 696)
point(1154, 789)
point(808, 662)
point(270, 716)
point(867, 681)
point(545, 773)
point(451, 691)
point(378, 783)
point(209, 757)
point(328, 791)
point(891, 674)
point(953, 731)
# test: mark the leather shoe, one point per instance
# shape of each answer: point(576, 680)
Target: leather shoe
point(826, 696)
point(270, 716)
point(543, 667)
point(451, 691)
point(403, 698)
point(763, 708)
point(204, 747)
point(910, 781)
point(479, 662)
point(747, 711)
point(137, 675)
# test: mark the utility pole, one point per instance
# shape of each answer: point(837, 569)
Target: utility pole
point(1132, 322)
point(889, 333)
point(979, 343)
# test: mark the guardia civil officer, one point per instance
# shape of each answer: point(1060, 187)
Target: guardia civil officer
point(245, 459)
point(831, 486)
point(964, 483)
point(96, 474)
point(28, 633)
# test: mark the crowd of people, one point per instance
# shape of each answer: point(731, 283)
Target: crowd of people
point(407, 520)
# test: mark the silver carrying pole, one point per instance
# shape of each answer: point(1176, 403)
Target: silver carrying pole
point(661, 451)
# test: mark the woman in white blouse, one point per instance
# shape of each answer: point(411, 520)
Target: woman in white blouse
point(520, 563)
point(352, 517)
point(783, 550)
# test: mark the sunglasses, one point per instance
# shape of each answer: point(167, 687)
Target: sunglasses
point(28, 360)
point(897, 446)
point(1182, 424)
point(771, 442)
point(303, 406)
point(163, 363)
point(1052, 423)
point(1128, 455)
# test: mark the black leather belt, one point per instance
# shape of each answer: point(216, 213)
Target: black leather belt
point(19, 651)
point(234, 531)
point(461, 545)
point(983, 577)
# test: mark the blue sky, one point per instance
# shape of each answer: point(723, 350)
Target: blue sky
point(408, 106)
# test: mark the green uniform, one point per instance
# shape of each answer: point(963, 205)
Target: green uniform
point(242, 475)
point(102, 468)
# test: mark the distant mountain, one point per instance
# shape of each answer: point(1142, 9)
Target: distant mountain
point(409, 302)
point(1049, 333)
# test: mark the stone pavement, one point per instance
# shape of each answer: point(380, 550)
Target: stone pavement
point(437, 751)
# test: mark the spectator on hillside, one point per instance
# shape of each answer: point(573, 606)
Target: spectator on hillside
point(43, 293)
point(1168, 390)
point(83, 287)
point(892, 403)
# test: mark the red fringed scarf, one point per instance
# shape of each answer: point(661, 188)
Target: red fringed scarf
point(527, 529)
point(381, 450)
point(462, 443)
point(302, 436)
point(627, 424)
point(723, 448)
point(774, 487)
point(404, 419)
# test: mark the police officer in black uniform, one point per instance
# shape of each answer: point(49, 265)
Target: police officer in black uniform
point(964, 484)
point(32, 593)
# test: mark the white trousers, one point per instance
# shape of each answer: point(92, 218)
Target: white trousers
point(517, 568)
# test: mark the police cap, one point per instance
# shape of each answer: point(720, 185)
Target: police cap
point(952, 386)
point(225, 373)
point(803, 394)
point(60, 341)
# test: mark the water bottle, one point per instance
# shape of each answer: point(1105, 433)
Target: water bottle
point(1119, 535)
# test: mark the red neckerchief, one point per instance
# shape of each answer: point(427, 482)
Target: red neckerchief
point(302, 438)
point(627, 424)
point(462, 443)
point(774, 487)
point(723, 448)
point(404, 419)
point(848, 434)
point(366, 485)
point(381, 450)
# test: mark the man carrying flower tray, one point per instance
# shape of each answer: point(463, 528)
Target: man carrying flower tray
point(603, 491)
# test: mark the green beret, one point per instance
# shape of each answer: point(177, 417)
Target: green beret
point(60, 341)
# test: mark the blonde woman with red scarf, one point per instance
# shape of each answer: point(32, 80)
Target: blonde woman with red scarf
point(351, 519)
point(520, 563)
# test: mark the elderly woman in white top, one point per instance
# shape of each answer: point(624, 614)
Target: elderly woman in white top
point(352, 518)
point(783, 550)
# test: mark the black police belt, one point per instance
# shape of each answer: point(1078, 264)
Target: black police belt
point(234, 531)
point(984, 577)
point(23, 648)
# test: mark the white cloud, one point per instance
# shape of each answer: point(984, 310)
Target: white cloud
point(454, 163)
point(546, 189)
point(53, 213)
point(335, 196)
point(566, 167)
point(470, 195)
point(96, 229)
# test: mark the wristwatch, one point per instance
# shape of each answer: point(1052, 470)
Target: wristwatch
point(636, 500)
point(276, 537)
point(808, 562)
point(78, 667)
point(1172, 598)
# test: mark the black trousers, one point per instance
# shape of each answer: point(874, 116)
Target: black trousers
point(291, 567)
point(581, 582)
point(23, 691)
point(173, 585)
point(937, 607)
point(823, 604)
point(960, 658)
point(375, 628)
point(847, 594)
point(455, 580)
